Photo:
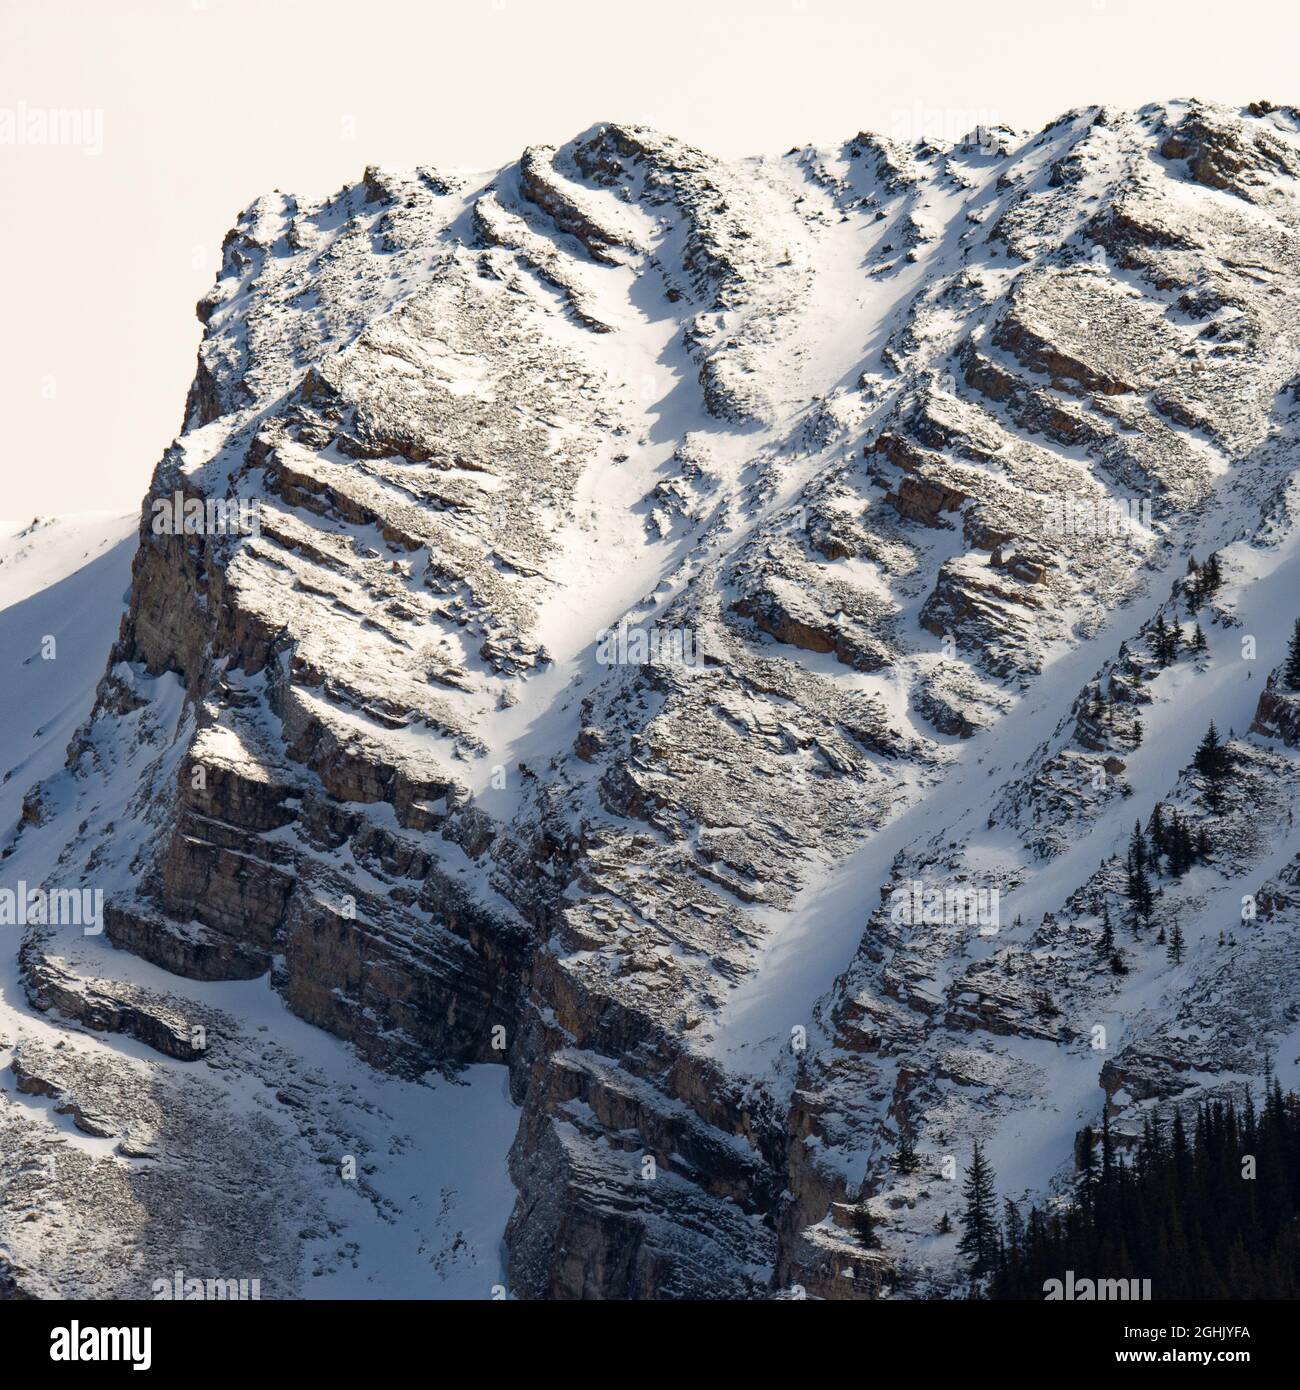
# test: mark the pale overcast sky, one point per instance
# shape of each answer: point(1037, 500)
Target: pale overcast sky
point(206, 103)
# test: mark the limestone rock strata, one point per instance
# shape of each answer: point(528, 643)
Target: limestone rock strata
point(854, 424)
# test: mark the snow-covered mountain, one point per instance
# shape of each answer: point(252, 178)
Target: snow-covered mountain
point(637, 680)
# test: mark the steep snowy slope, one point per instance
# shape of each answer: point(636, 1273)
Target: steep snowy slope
point(636, 568)
point(165, 1171)
point(63, 584)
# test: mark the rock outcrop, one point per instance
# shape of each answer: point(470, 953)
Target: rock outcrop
point(646, 564)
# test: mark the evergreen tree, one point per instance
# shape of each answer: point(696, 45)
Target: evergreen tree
point(978, 1223)
point(1087, 1164)
point(1182, 849)
point(1164, 645)
point(1013, 1224)
point(1178, 1213)
point(1140, 894)
point(1174, 844)
point(1213, 762)
point(1292, 673)
point(864, 1226)
point(1199, 645)
point(1192, 591)
point(1137, 848)
point(905, 1159)
point(1012, 1248)
point(1158, 638)
point(1107, 1153)
point(1203, 583)
point(1106, 942)
point(1175, 948)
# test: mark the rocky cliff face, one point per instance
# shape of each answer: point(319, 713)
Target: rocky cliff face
point(643, 568)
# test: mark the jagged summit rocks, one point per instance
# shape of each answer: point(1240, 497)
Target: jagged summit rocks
point(912, 441)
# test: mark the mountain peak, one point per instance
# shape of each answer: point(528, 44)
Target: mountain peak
point(692, 636)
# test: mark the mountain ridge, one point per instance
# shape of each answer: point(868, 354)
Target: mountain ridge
point(823, 415)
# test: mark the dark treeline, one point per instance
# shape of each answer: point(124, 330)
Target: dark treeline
point(1210, 1214)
